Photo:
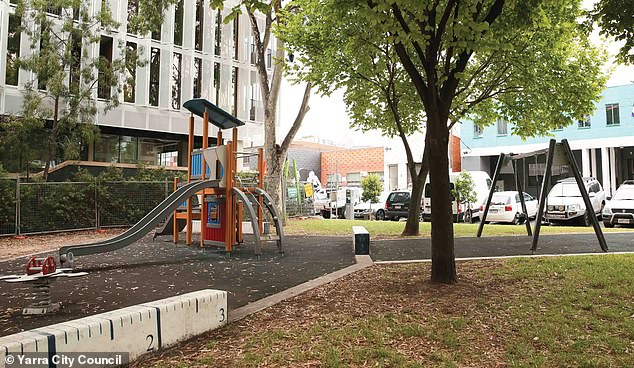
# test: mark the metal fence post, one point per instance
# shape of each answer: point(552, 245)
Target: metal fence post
point(17, 205)
point(95, 193)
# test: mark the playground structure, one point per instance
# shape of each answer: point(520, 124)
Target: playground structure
point(556, 153)
point(211, 175)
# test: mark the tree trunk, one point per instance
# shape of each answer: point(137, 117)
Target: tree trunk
point(412, 226)
point(442, 240)
point(52, 143)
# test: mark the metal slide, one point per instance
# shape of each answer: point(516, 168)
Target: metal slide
point(140, 229)
point(168, 226)
point(254, 219)
point(268, 202)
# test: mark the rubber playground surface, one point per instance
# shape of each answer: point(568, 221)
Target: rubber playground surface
point(151, 270)
point(154, 269)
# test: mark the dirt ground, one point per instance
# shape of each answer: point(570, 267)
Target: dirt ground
point(11, 247)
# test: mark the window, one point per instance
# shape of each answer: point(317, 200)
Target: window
point(45, 39)
point(477, 131)
point(269, 58)
point(354, 179)
point(128, 149)
point(105, 54)
point(217, 82)
point(178, 24)
point(502, 126)
point(13, 50)
point(218, 33)
point(107, 148)
point(156, 34)
point(254, 92)
point(236, 37)
point(75, 65)
point(129, 85)
point(53, 9)
point(133, 11)
point(234, 91)
point(612, 114)
point(253, 57)
point(333, 179)
point(559, 127)
point(198, 72)
point(155, 74)
point(198, 32)
point(585, 122)
point(176, 80)
point(168, 158)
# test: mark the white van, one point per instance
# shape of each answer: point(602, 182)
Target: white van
point(482, 184)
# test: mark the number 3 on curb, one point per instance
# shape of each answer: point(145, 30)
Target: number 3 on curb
point(222, 314)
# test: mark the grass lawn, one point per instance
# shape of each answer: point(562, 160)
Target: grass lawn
point(542, 312)
point(383, 229)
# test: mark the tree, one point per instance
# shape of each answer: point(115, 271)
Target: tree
point(615, 19)
point(531, 63)
point(275, 154)
point(377, 91)
point(464, 190)
point(372, 189)
point(67, 80)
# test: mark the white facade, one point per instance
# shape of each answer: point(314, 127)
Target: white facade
point(140, 115)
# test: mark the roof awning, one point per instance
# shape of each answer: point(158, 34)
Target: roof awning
point(217, 116)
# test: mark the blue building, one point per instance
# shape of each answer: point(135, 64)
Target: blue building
point(603, 145)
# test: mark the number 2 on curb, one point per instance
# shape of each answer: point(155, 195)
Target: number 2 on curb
point(150, 346)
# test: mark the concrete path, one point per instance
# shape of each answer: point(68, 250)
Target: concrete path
point(418, 249)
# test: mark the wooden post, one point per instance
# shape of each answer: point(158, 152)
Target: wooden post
point(543, 193)
point(229, 199)
point(175, 231)
point(234, 167)
point(584, 195)
point(261, 186)
point(203, 172)
point(483, 215)
point(190, 149)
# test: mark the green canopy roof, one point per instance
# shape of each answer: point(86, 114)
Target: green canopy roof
point(217, 116)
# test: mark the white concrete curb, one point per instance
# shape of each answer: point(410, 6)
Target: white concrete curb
point(135, 330)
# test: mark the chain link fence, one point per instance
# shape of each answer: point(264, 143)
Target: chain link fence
point(8, 189)
point(29, 208)
point(296, 201)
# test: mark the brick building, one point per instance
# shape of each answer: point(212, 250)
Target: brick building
point(349, 166)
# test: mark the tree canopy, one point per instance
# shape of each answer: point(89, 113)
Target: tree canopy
point(616, 18)
point(530, 62)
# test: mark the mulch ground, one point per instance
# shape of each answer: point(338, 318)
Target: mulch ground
point(399, 290)
point(11, 247)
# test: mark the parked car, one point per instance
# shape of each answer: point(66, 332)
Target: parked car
point(506, 207)
point(481, 185)
point(620, 208)
point(365, 210)
point(456, 209)
point(564, 203)
point(396, 206)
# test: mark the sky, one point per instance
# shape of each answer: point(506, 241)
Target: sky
point(328, 120)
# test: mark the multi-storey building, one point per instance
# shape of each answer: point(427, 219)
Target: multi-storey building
point(194, 54)
point(603, 144)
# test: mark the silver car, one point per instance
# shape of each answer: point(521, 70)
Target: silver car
point(565, 203)
point(620, 208)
